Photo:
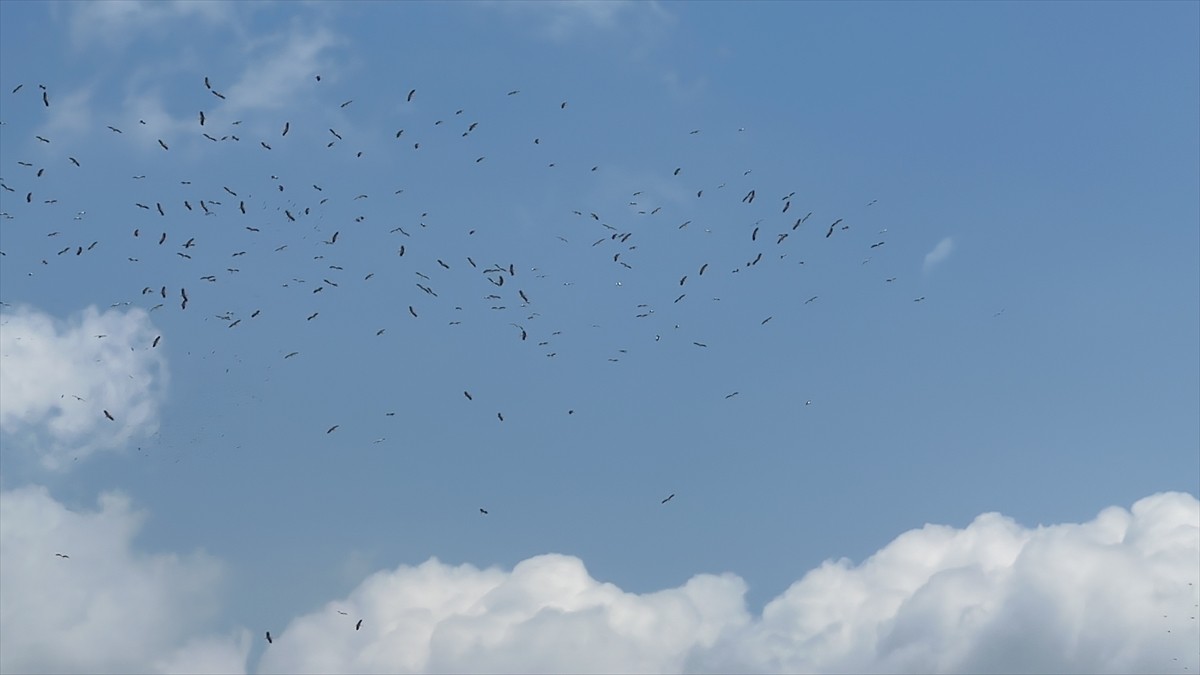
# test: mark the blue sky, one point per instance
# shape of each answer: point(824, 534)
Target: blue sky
point(1005, 318)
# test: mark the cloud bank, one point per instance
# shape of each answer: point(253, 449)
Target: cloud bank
point(1115, 594)
point(57, 378)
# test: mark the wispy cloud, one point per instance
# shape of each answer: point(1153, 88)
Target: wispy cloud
point(118, 23)
point(939, 254)
point(57, 378)
point(563, 20)
point(279, 68)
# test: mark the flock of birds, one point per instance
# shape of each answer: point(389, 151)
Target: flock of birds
point(507, 287)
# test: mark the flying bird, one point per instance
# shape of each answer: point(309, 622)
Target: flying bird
point(164, 145)
point(269, 637)
point(669, 498)
point(483, 511)
point(332, 428)
point(109, 416)
point(358, 625)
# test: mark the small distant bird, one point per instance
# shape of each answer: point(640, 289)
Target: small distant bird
point(669, 498)
point(62, 555)
point(332, 428)
point(411, 94)
point(342, 613)
point(501, 416)
point(109, 416)
point(269, 641)
point(164, 145)
point(483, 511)
point(358, 625)
point(468, 395)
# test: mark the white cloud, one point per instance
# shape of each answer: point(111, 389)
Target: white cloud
point(106, 608)
point(939, 253)
point(45, 364)
point(991, 597)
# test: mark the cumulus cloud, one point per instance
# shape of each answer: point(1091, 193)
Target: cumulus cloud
point(57, 378)
point(1115, 594)
point(546, 615)
point(991, 597)
point(939, 253)
point(106, 608)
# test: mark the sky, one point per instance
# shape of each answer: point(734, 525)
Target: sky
point(599, 337)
